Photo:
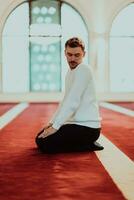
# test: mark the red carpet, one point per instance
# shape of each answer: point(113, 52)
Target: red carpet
point(26, 174)
point(129, 105)
point(4, 107)
point(119, 129)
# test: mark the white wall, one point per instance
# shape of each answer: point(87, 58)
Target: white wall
point(98, 15)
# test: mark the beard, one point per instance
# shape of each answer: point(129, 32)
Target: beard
point(73, 64)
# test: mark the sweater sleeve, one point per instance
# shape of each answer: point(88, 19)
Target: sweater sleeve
point(58, 109)
point(56, 113)
point(72, 100)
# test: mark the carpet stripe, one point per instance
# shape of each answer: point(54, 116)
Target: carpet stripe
point(119, 167)
point(128, 105)
point(117, 109)
point(119, 129)
point(11, 114)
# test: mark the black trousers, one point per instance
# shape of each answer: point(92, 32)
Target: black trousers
point(69, 137)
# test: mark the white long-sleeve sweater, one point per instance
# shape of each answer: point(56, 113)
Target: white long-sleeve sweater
point(79, 105)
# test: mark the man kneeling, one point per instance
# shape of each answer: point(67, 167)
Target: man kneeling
point(76, 124)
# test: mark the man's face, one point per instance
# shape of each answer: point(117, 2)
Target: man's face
point(74, 56)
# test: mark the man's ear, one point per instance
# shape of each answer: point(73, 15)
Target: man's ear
point(84, 53)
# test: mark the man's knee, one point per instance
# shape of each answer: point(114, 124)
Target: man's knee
point(39, 142)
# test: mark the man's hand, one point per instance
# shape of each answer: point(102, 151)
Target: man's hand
point(48, 131)
point(47, 126)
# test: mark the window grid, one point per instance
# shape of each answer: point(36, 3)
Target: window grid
point(45, 65)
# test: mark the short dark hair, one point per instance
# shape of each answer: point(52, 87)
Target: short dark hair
point(75, 42)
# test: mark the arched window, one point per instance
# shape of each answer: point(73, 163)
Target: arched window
point(33, 45)
point(122, 51)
